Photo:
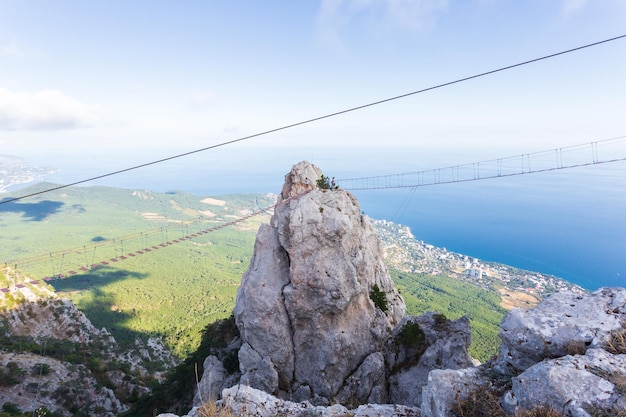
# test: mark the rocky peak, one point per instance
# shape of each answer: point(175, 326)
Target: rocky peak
point(301, 179)
point(317, 301)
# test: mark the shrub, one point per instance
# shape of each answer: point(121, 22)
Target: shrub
point(440, 319)
point(13, 374)
point(575, 347)
point(479, 404)
point(617, 341)
point(486, 403)
point(542, 411)
point(412, 335)
point(379, 298)
point(11, 408)
point(210, 409)
point(605, 413)
point(40, 369)
point(323, 182)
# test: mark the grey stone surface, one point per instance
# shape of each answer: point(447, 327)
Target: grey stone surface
point(211, 383)
point(562, 324)
point(444, 347)
point(247, 401)
point(554, 355)
point(574, 383)
point(304, 305)
point(445, 388)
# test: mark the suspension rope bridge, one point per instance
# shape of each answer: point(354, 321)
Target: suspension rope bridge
point(58, 271)
point(576, 156)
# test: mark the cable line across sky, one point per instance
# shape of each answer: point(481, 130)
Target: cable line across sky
point(315, 119)
point(591, 153)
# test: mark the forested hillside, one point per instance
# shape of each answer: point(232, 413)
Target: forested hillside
point(172, 291)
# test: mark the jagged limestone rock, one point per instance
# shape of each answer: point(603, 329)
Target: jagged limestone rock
point(64, 383)
point(442, 344)
point(304, 306)
point(368, 382)
point(60, 329)
point(245, 401)
point(211, 384)
point(564, 323)
point(260, 312)
point(577, 384)
point(55, 318)
point(557, 354)
point(446, 388)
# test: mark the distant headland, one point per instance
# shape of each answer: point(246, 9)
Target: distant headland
point(15, 171)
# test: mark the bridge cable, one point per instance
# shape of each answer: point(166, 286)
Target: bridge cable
point(315, 119)
point(546, 161)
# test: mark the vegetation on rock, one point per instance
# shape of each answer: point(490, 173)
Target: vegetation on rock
point(379, 298)
point(176, 393)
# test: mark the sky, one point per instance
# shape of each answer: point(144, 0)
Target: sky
point(126, 81)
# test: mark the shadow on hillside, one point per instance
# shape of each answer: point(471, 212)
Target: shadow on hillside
point(100, 306)
point(94, 279)
point(32, 211)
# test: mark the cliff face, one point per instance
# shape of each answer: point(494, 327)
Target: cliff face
point(317, 304)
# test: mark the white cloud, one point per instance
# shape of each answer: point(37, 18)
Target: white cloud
point(414, 15)
point(44, 110)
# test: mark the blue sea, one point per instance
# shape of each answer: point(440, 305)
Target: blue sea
point(569, 223)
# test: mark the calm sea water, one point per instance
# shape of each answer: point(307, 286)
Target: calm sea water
point(569, 223)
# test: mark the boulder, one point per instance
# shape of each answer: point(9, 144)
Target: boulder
point(447, 388)
point(564, 323)
point(243, 400)
point(211, 384)
point(568, 353)
point(581, 385)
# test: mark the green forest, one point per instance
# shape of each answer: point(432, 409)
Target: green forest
point(171, 292)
